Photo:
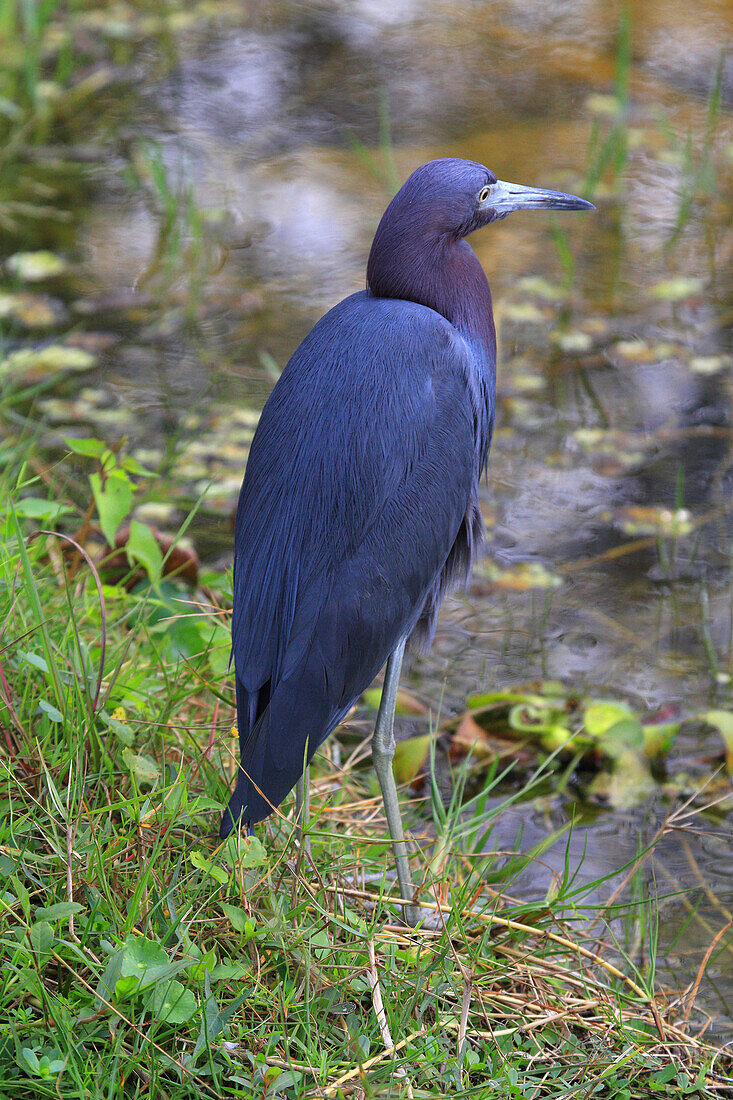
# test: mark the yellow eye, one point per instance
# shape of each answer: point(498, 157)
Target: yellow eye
point(484, 193)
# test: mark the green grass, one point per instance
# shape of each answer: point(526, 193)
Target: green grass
point(142, 958)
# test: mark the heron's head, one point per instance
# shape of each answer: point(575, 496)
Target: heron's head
point(420, 233)
point(451, 197)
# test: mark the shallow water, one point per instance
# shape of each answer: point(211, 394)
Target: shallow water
point(270, 123)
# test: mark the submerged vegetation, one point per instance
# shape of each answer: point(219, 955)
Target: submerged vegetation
point(142, 958)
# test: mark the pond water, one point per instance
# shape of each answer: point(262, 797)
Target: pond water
point(251, 169)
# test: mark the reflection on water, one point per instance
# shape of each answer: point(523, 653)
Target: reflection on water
point(259, 123)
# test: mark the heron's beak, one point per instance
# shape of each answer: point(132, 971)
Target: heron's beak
point(506, 197)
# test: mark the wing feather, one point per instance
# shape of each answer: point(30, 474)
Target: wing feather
point(362, 475)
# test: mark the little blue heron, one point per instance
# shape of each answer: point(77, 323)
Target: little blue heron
point(359, 507)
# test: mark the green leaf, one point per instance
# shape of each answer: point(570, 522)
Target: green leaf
point(39, 509)
point(220, 645)
point(664, 1076)
point(145, 960)
point(206, 962)
point(405, 704)
point(36, 660)
point(245, 851)
point(615, 727)
point(49, 709)
point(141, 547)
point(627, 785)
point(410, 757)
point(601, 715)
point(217, 873)
point(528, 717)
point(237, 917)
point(125, 987)
point(172, 1003)
point(41, 937)
point(143, 767)
point(675, 290)
point(31, 1060)
point(62, 910)
point(41, 363)
point(7, 865)
point(107, 984)
point(227, 971)
point(623, 737)
point(555, 737)
point(90, 448)
point(113, 498)
point(121, 729)
point(134, 467)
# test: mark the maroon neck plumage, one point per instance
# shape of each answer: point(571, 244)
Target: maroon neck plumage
point(413, 258)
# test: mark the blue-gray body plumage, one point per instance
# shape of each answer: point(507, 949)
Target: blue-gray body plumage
point(359, 506)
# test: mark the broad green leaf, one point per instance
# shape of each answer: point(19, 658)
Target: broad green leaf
point(125, 987)
point(629, 784)
point(675, 290)
point(555, 737)
point(113, 498)
point(245, 851)
point(238, 919)
point(106, 985)
point(410, 757)
point(623, 737)
point(217, 873)
point(90, 448)
point(601, 715)
point(53, 713)
point(144, 768)
point(134, 467)
point(220, 647)
point(146, 960)
point(36, 660)
point(142, 547)
point(41, 363)
point(206, 962)
point(172, 1003)
point(232, 970)
point(31, 1060)
point(406, 703)
point(62, 910)
point(121, 729)
point(39, 509)
point(41, 937)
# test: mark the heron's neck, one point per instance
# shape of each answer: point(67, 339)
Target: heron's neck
point(443, 274)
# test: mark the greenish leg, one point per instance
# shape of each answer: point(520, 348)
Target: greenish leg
point(383, 748)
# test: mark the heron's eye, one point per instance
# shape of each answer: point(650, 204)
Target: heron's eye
point(485, 192)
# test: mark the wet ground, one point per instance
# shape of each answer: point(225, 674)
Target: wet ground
point(245, 169)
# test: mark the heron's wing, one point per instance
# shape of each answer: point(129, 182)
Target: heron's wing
point(361, 474)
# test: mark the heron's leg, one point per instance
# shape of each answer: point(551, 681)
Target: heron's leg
point(383, 747)
point(303, 807)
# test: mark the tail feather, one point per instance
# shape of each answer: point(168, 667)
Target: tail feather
point(233, 815)
point(280, 745)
